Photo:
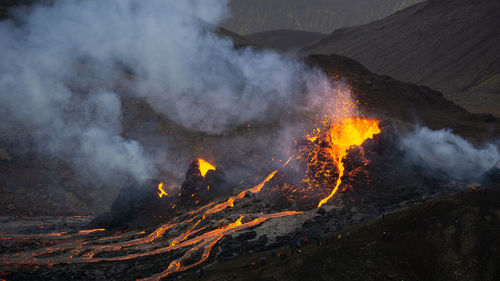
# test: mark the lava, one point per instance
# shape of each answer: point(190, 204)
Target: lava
point(161, 192)
point(341, 136)
point(88, 231)
point(230, 202)
point(205, 167)
point(194, 239)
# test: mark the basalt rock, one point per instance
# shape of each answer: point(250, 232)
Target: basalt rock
point(132, 202)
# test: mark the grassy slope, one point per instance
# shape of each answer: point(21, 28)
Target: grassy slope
point(455, 238)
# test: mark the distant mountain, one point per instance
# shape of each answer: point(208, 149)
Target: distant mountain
point(324, 16)
point(450, 45)
point(285, 40)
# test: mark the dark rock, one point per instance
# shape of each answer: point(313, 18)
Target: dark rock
point(259, 244)
point(247, 235)
point(197, 189)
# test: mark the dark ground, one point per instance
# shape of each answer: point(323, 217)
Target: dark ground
point(453, 238)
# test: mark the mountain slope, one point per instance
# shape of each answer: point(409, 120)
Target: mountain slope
point(312, 15)
point(452, 46)
point(285, 40)
point(383, 97)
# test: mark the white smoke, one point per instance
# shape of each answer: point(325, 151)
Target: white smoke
point(442, 150)
point(63, 64)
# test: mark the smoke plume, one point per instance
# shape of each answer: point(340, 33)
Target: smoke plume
point(67, 66)
point(444, 151)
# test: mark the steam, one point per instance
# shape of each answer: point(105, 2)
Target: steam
point(442, 150)
point(67, 67)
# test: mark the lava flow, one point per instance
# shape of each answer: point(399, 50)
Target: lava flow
point(187, 240)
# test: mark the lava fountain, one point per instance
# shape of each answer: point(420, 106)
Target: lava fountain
point(205, 166)
point(341, 136)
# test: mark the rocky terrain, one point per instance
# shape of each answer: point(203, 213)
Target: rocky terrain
point(312, 15)
point(451, 238)
point(451, 46)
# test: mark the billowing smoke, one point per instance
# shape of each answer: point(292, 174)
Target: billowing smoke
point(66, 68)
point(444, 151)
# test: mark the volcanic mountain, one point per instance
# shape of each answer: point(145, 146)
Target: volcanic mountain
point(311, 15)
point(452, 46)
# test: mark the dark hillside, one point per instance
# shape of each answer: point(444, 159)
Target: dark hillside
point(452, 238)
point(452, 46)
point(285, 40)
point(251, 16)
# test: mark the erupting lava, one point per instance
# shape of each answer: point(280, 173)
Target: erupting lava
point(341, 136)
point(161, 192)
point(205, 166)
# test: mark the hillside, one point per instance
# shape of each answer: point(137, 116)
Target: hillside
point(285, 40)
point(322, 16)
point(452, 46)
point(451, 238)
point(405, 103)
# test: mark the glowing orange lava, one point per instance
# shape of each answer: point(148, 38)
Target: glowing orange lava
point(90, 231)
point(205, 166)
point(344, 134)
point(230, 202)
point(161, 192)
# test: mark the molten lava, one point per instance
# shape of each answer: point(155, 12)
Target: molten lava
point(161, 192)
point(205, 166)
point(341, 136)
point(230, 202)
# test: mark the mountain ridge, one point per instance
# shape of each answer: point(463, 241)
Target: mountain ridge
point(452, 46)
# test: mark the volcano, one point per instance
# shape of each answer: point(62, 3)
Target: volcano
point(352, 169)
point(194, 150)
